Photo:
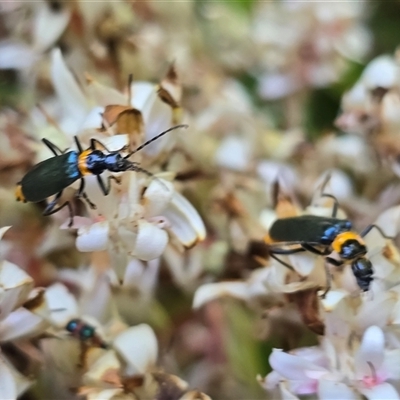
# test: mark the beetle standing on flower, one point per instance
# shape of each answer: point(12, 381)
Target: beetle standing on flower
point(50, 177)
point(322, 236)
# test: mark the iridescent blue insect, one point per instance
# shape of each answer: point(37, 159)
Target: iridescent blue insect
point(50, 177)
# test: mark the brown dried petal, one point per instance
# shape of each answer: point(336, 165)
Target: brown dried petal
point(308, 306)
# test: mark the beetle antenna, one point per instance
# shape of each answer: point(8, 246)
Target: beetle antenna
point(135, 167)
point(155, 138)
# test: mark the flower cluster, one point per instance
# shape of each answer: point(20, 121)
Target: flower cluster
point(104, 307)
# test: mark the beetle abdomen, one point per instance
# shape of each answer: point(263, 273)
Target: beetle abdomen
point(50, 177)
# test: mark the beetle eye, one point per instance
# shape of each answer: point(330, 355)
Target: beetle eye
point(87, 332)
point(72, 325)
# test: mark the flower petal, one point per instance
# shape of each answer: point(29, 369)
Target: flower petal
point(376, 311)
point(186, 223)
point(21, 324)
point(15, 55)
point(15, 286)
point(234, 153)
point(48, 26)
point(61, 303)
point(389, 221)
point(212, 291)
point(138, 347)
point(8, 386)
point(72, 100)
point(292, 367)
point(391, 365)
point(332, 390)
point(157, 117)
point(93, 237)
point(371, 352)
point(150, 241)
point(157, 196)
point(104, 372)
point(384, 391)
point(286, 393)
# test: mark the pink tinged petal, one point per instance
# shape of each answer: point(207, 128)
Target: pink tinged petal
point(383, 391)
point(69, 93)
point(186, 223)
point(94, 237)
point(21, 324)
point(138, 347)
point(157, 197)
point(150, 241)
point(48, 26)
point(15, 286)
point(332, 390)
point(370, 355)
point(292, 367)
point(286, 394)
point(304, 387)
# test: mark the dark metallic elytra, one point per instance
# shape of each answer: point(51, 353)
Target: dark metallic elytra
point(322, 236)
point(308, 228)
point(50, 177)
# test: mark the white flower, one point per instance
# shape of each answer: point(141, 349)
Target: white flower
point(374, 366)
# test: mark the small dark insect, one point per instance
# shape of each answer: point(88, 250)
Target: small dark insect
point(50, 177)
point(322, 236)
point(85, 333)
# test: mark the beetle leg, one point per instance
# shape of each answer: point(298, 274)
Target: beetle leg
point(53, 148)
point(50, 208)
point(78, 144)
point(333, 261)
point(285, 264)
point(81, 193)
point(312, 249)
point(335, 204)
point(287, 252)
point(328, 279)
point(106, 189)
point(370, 227)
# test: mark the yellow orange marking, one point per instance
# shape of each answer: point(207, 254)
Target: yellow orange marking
point(344, 237)
point(268, 239)
point(19, 195)
point(82, 166)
